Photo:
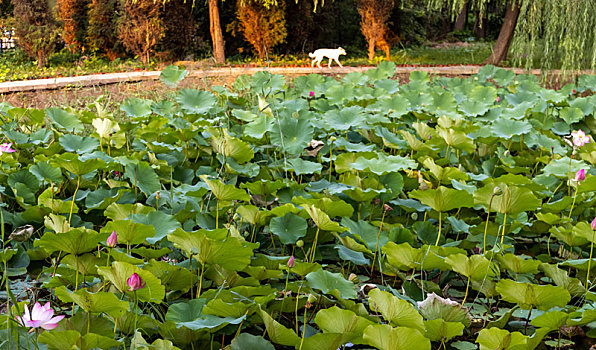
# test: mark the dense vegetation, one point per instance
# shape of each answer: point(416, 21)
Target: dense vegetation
point(312, 214)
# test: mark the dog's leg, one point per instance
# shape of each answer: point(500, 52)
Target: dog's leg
point(330, 59)
point(319, 62)
point(312, 63)
point(338, 62)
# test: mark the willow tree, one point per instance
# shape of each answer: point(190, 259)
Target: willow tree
point(562, 29)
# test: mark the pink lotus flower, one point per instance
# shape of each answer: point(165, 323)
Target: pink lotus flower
point(112, 241)
point(593, 225)
point(40, 316)
point(498, 99)
point(135, 282)
point(291, 262)
point(580, 138)
point(387, 207)
point(311, 94)
point(6, 148)
point(580, 175)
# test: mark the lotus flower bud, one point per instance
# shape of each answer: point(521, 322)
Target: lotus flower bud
point(387, 207)
point(593, 225)
point(414, 216)
point(580, 175)
point(311, 93)
point(300, 243)
point(497, 191)
point(353, 278)
point(291, 262)
point(135, 282)
point(112, 240)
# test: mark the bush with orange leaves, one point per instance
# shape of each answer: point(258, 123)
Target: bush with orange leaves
point(73, 14)
point(374, 16)
point(262, 27)
point(141, 27)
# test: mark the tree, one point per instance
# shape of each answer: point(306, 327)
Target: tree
point(374, 16)
point(36, 29)
point(216, 34)
point(565, 28)
point(102, 34)
point(141, 27)
point(179, 27)
point(73, 14)
point(262, 27)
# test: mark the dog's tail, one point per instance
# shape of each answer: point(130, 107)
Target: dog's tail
point(311, 55)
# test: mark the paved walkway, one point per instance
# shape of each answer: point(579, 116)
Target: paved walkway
point(130, 77)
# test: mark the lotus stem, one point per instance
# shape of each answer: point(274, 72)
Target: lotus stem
point(330, 160)
point(590, 260)
point(216, 214)
point(372, 268)
point(466, 295)
point(73, 198)
point(573, 203)
point(297, 300)
point(303, 329)
point(314, 245)
point(200, 281)
point(439, 235)
point(486, 224)
point(504, 224)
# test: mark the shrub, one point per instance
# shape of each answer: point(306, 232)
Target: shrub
point(35, 28)
point(141, 27)
point(179, 28)
point(102, 32)
point(73, 14)
point(262, 27)
point(374, 15)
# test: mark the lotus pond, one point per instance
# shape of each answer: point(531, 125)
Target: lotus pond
point(311, 214)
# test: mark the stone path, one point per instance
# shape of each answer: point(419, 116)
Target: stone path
point(129, 77)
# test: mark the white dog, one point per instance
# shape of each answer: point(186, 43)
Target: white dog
point(332, 54)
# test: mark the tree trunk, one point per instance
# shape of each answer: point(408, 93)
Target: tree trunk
point(505, 35)
point(371, 50)
point(460, 22)
point(480, 26)
point(216, 35)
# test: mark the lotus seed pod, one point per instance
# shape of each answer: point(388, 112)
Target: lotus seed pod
point(414, 216)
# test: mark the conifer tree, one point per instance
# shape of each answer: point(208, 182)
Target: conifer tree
point(35, 28)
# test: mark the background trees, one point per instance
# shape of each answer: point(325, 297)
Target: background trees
point(175, 29)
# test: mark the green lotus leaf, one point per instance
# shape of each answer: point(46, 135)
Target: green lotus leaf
point(552, 320)
point(344, 119)
point(224, 143)
point(46, 199)
point(228, 253)
point(225, 192)
point(443, 199)
point(119, 272)
point(136, 107)
point(301, 166)
point(172, 75)
point(528, 295)
point(355, 257)
point(457, 139)
point(289, 228)
point(292, 135)
point(561, 278)
point(64, 121)
point(475, 267)
point(331, 207)
point(512, 201)
point(161, 222)
point(518, 264)
point(45, 172)
point(328, 282)
point(75, 241)
point(195, 102)
point(384, 337)
point(277, 332)
point(495, 338)
point(245, 341)
point(128, 231)
point(439, 330)
point(259, 126)
point(395, 105)
point(72, 163)
point(396, 311)
point(564, 167)
point(100, 302)
point(383, 164)
point(24, 177)
point(434, 307)
point(143, 176)
point(322, 220)
point(173, 277)
point(344, 322)
point(190, 315)
point(78, 144)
